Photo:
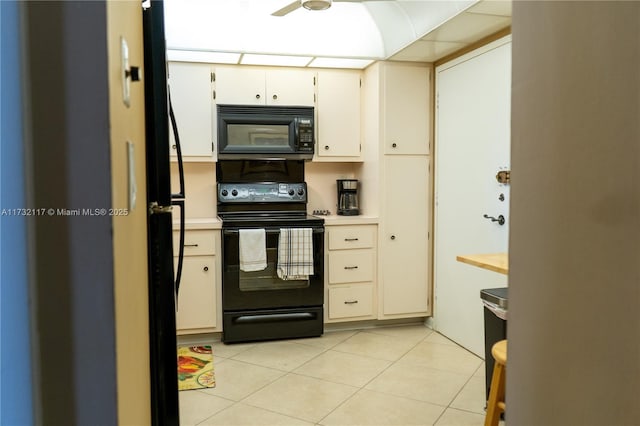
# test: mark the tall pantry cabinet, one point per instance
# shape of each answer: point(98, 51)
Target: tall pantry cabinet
point(396, 172)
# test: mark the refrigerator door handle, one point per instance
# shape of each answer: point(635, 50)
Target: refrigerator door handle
point(178, 199)
point(180, 204)
point(174, 126)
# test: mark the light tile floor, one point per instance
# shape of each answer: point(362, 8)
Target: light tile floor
point(401, 375)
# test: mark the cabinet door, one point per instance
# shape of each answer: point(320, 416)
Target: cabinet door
point(406, 104)
point(405, 242)
point(290, 87)
point(338, 114)
point(191, 97)
point(196, 298)
point(240, 86)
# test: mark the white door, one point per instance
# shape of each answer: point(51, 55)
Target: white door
point(472, 144)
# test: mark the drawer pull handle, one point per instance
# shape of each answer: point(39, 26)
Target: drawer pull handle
point(206, 269)
point(191, 245)
point(350, 267)
point(351, 239)
point(350, 302)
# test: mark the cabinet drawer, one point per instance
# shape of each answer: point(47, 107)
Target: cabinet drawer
point(196, 242)
point(351, 237)
point(351, 266)
point(351, 301)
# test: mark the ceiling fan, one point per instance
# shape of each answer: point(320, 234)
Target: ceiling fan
point(312, 5)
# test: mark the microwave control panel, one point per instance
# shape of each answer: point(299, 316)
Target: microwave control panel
point(305, 134)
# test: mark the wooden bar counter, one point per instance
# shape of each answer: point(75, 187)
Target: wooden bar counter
point(497, 262)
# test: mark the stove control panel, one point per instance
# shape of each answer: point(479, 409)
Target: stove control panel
point(262, 192)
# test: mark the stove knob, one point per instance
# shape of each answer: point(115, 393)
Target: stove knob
point(234, 192)
point(291, 192)
point(224, 192)
point(300, 192)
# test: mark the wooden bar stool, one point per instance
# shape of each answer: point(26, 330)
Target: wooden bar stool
point(496, 403)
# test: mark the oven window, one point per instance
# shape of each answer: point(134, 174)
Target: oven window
point(268, 279)
point(251, 135)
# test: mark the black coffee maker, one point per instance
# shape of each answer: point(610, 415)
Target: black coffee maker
point(348, 197)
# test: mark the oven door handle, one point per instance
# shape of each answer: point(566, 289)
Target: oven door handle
point(267, 230)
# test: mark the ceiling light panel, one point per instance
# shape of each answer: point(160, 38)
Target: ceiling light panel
point(246, 26)
point(275, 60)
point(200, 56)
point(340, 63)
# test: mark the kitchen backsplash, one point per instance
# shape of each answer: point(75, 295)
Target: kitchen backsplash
point(200, 186)
point(321, 183)
point(200, 189)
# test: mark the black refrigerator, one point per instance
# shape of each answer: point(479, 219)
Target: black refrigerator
point(164, 282)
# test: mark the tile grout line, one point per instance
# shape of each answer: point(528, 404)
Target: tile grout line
point(375, 377)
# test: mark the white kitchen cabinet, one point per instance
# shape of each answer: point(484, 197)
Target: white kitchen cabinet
point(192, 100)
point(338, 116)
point(242, 85)
point(404, 243)
point(198, 297)
point(406, 112)
point(350, 272)
point(396, 184)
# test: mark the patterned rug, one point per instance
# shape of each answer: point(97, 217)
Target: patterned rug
point(195, 367)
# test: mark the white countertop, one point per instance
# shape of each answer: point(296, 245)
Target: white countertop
point(333, 219)
point(329, 220)
point(200, 223)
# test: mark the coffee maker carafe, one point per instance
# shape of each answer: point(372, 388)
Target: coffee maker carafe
point(348, 197)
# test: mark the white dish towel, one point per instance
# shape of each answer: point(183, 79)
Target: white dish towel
point(295, 253)
point(253, 252)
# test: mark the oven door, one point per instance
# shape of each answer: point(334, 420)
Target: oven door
point(264, 289)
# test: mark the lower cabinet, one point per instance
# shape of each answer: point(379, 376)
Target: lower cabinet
point(351, 272)
point(198, 298)
point(404, 239)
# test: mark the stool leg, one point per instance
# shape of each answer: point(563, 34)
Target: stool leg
point(496, 394)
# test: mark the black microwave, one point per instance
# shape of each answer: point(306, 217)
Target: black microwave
point(248, 131)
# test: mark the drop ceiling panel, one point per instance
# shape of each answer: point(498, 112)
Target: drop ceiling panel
point(468, 27)
point(427, 51)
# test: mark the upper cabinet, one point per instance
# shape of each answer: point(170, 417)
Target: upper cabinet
point(241, 85)
point(406, 108)
point(191, 98)
point(338, 115)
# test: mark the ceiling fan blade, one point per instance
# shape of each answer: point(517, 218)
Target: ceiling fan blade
point(287, 9)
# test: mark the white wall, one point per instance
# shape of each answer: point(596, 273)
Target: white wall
point(574, 282)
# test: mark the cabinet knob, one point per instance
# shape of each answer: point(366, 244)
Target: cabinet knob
point(326, 147)
point(393, 237)
point(394, 145)
point(258, 96)
point(275, 97)
point(174, 147)
point(206, 269)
